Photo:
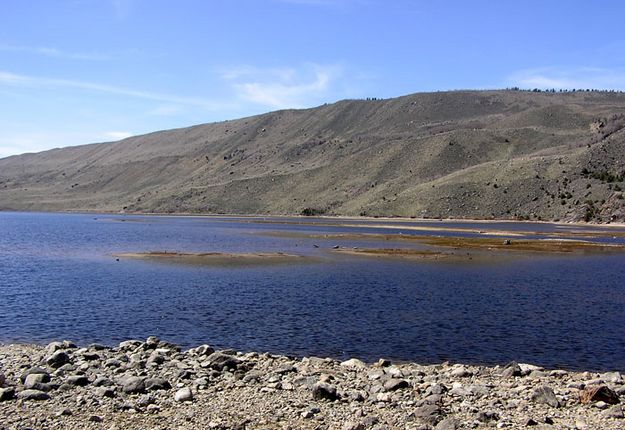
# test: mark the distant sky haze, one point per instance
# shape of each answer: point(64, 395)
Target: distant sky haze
point(83, 71)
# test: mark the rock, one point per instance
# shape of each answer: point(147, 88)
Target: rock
point(58, 359)
point(3, 380)
point(65, 412)
point(487, 416)
point(78, 380)
point(601, 405)
point(7, 394)
point(33, 370)
point(597, 393)
point(129, 345)
point(133, 385)
point(429, 414)
point(152, 384)
point(33, 395)
point(383, 397)
point(96, 419)
point(90, 356)
point(54, 346)
point(459, 392)
point(183, 395)
point(448, 424)
point(104, 392)
point(530, 422)
point(615, 412)
point(145, 400)
point(220, 361)
point(396, 384)
point(383, 362)
point(437, 389)
point(35, 379)
point(546, 396)
point(352, 425)
point(203, 350)
point(512, 370)
point(613, 377)
point(461, 372)
point(321, 390)
point(354, 363)
point(102, 381)
point(526, 369)
point(155, 358)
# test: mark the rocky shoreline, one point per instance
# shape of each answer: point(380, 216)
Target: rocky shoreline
point(155, 385)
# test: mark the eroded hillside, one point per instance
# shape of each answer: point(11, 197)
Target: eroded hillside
point(473, 154)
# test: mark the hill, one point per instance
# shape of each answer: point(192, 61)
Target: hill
point(462, 154)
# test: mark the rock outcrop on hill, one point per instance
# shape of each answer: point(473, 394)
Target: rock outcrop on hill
point(464, 154)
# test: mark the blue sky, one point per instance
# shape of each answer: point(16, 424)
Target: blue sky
point(82, 71)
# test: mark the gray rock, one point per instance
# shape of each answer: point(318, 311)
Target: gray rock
point(459, 392)
point(429, 414)
point(220, 361)
point(90, 356)
point(615, 412)
point(112, 362)
point(102, 381)
point(203, 350)
point(353, 363)
point(512, 370)
point(613, 377)
point(155, 358)
point(7, 394)
point(396, 384)
point(133, 385)
point(3, 380)
point(183, 395)
point(461, 372)
point(437, 389)
point(53, 347)
point(487, 416)
point(448, 424)
point(128, 345)
point(322, 390)
point(353, 425)
point(98, 347)
point(58, 359)
point(34, 379)
point(152, 384)
point(145, 400)
point(33, 370)
point(546, 396)
point(104, 392)
point(33, 395)
point(78, 380)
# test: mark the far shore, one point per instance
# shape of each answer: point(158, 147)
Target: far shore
point(334, 217)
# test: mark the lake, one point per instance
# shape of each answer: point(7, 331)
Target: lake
point(60, 279)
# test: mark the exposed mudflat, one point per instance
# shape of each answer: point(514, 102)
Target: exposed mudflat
point(215, 258)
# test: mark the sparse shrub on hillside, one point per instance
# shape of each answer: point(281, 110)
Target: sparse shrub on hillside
point(313, 211)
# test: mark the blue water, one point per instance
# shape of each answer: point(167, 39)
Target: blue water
point(59, 280)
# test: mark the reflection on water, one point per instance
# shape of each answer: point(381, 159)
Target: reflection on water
point(58, 279)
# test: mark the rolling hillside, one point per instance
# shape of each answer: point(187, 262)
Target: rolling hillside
point(462, 154)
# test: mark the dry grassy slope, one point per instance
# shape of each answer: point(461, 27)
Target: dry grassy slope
point(476, 154)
